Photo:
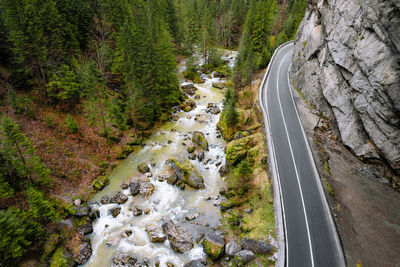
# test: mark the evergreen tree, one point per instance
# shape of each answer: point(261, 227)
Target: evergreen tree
point(17, 232)
point(18, 150)
point(39, 206)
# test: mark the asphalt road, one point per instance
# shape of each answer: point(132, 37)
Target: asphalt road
point(309, 231)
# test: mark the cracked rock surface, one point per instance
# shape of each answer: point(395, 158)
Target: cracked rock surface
point(346, 62)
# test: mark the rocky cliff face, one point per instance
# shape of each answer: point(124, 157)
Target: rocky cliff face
point(346, 62)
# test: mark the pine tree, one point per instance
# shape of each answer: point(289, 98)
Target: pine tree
point(17, 232)
point(39, 206)
point(17, 149)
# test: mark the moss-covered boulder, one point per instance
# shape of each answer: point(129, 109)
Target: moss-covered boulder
point(200, 139)
point(122, 152)
point(190, 149)
point(100, 182)
point(219, 85)
point(143, 168)
point(186, 172)
point(247, 147)
point(228, 203)
point(62, 258)
point(135, 142)
point(213, 245)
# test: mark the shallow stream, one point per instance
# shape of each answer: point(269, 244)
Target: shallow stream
point(167, 201)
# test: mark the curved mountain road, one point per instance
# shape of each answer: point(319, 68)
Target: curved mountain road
point(308, 230)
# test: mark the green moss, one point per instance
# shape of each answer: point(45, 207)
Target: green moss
point(212, 249)
point(50, 246)
point(329, 187)
point(200, 140)
point(59, 259)
point(123, 151)
point(100, 182)
point(190, 175)
point(326, 167)
point(135, 142)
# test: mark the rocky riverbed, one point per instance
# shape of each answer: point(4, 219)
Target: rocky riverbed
point(161, 207)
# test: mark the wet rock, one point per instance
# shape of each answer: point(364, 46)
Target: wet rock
point(169, 264)
point(105, 200)
point(124, 186)
point(191, 217)
point(85, 251)
point(218, 163)
point(161, 178)
point(179, 239)
point(148, 174)
point(146, 189)
point(155, 234)
point(186, 172)
point(232, 248)
point(188, 105)
point(200, 156)
point(85, 229)
point(197, 97)
point(143, 168)
point(189, 89)
point(94, 214)
point(124, 260)
point(213, 108)
point(192, 156)
point(128, 232)
point(115, 211)
point(219, 85)
point(119, 198)
point(82, 211)
point(190, 149)
point(77, 202)
point(244, 257)
point(213, 244)
point(189, 117)
point(223, 170)
point(134, 187)
point(136, 211)
point(175, 118)
point(258, 247)
point(224, 189)
point(199, 139)
point(218, 75)
point(194, 263)
point(113, 241)
point(146, 211)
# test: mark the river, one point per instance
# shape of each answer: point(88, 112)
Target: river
point(167, 201)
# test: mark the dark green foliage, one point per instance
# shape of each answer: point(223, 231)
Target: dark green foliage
point(63, 86)
point(39, 206)
point(18, 153)
point(21, 104)
point(230, 114)
point(17, 232)
point(71, 124)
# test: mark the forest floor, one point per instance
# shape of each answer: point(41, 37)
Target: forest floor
point(365, 207)
point(75, 159)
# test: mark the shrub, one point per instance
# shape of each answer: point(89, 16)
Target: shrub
point(71, 124)
point(49, 122)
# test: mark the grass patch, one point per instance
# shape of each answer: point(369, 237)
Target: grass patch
point(305, 99)
point(329, 187)
point(326, 167)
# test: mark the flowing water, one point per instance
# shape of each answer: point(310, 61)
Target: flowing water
point(167, 201)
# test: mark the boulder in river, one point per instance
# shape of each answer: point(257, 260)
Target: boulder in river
point(213, 244)
point(189, 89)
point(259, 247)
point(242, 258)
point(85, 251)
point(199, 139)
point(85, 229)
point(146, 189)
point(179, 238)
point(219, 85)
point(119, 198)
point(124, 261)
point(188, 105)
point(156, 234)
point(218, 75)
point(136, 211)
point(115, 211)
point(143, 168)
point(134, 187)
point(194, 263)
point(113, 241)
point(186, 172)
point(105, 200)
point(200, 156)
point(190, 149)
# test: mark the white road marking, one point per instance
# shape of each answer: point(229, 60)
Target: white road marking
point(294, 163)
